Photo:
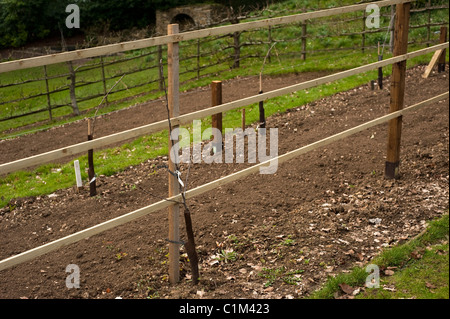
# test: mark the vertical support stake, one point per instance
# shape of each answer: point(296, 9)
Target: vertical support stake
point(262, 116)
point(442, 39)
point(380, 70)
point(216, 99)
point(49, 104)
point(173, 63)
point(91, 172)
point(397, 90)
point(304, 38)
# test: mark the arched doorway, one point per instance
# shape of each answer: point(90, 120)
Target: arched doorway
point(184, 21)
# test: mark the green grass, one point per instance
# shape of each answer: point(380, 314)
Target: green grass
point(427, 278)
point(423, 278)
point(280, 274)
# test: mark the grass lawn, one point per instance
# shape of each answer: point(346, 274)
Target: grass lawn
point(420, 269)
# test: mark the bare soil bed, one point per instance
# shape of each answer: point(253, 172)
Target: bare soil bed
point(264, 236)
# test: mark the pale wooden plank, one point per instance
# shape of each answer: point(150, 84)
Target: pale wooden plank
point(437, 55)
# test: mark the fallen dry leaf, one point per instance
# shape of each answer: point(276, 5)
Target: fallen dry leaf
point(269, 289)
point(389, 272)
point(430, 286)
point(347, 289)
point(388, 288)
point(416, 255)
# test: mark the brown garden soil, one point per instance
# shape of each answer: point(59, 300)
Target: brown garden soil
point(264, 236)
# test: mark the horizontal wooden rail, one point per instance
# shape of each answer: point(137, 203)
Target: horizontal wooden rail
point(94, 230)
point(145, 43)
point(188, 118)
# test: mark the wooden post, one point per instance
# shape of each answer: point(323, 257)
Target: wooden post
point(380, 70)
point(243, 119)
point(216, 99)
point(160, 71)
point(304, 37)
point(49, 104)
point(104, 80)
point(364, 33)
point(91, 172)
point(198, 59)
point(237, 49)
point(397, 90)
point(429, 23)
point(270, 44)
point(442, 39)
point(174, 188)
point(262, 116)
point(72, 85)
point(391, 29)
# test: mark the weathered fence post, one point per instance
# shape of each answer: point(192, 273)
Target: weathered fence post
point(304, 37)
point(364, 33)
point(91, 171)
point(397, 90)
point(391, 29)
point(442, 39)
point(237, 49)
point(262, 116)
point(173, 66)
point(429, 23)
point(270, 44)
point(160, 71)
point(72, 85)
point(380, 70)
point(216, 99)
point(104, 79)
point(49, 104)
point(198, 59)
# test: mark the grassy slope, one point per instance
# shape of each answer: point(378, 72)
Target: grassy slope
point(423, 277)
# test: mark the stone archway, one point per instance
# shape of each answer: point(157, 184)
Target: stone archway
point(186, 22)
point(189, 17)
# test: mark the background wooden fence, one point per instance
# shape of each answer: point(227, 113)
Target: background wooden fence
point(66, 88)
